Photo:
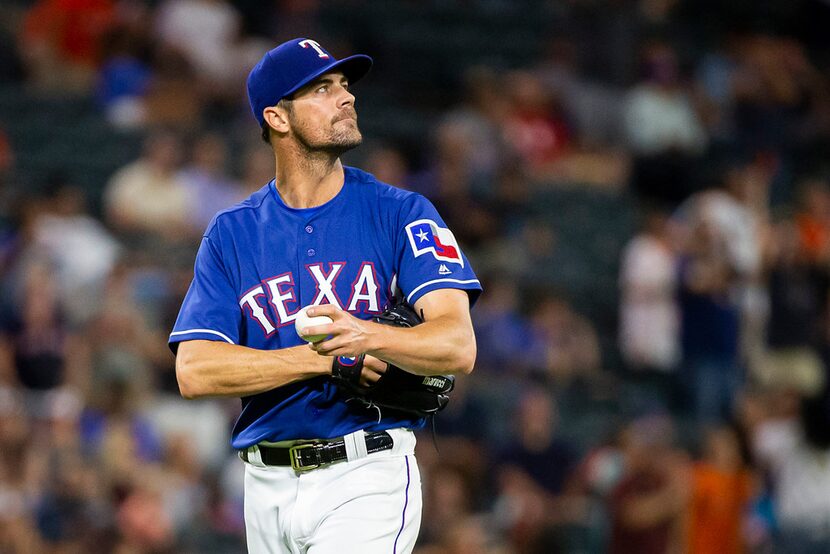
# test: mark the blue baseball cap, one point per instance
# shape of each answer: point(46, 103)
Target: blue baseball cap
point(290, 66)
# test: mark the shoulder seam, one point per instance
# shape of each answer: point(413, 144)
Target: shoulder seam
point(235, 209)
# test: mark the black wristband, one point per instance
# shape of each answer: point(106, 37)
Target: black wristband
point(347, 369)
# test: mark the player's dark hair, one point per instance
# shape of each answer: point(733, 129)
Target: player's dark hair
point(286, 103)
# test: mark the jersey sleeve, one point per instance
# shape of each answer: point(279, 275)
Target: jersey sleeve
point(210, 310)
point(429, 257)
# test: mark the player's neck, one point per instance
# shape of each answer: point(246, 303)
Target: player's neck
point(305, 181)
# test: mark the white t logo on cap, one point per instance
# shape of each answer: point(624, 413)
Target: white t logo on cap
point(314, 44)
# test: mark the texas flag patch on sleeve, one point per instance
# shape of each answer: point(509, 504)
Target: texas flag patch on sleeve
point(426, 236)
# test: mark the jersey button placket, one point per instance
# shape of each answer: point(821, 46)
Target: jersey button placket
point(309, 240)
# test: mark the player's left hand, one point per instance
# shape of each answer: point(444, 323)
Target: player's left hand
point(373, 370)
point(347, 335)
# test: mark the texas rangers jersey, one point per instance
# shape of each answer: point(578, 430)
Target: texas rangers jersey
point(261, 261)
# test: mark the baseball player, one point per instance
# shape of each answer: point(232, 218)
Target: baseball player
point(323, 473)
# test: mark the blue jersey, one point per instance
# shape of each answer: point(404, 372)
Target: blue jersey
point(261, 261)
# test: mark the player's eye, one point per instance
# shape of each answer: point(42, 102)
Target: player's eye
point(323, 88)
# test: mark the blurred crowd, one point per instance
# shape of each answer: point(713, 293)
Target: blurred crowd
point(698, 422)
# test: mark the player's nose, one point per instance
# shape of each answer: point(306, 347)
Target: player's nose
point(346, 98)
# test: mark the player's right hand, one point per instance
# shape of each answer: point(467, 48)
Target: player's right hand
point(347, 335)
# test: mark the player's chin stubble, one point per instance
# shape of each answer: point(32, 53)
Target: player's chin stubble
point(341, 138)
point(345, 134)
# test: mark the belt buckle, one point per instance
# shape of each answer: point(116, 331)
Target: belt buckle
point(295, 459)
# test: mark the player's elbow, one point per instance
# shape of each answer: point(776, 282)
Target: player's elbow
point(468, 362)
point(190, 387)
point(466, 355)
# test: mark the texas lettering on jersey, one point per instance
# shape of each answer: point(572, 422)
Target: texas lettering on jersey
point(279, 293)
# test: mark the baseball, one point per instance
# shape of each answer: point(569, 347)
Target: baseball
point(304, 320)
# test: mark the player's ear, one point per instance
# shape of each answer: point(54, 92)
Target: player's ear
point(277, 118)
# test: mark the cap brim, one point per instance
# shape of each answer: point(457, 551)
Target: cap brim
point(353, 67)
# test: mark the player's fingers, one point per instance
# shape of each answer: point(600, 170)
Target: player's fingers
point(318, 330)
point(333, 347)
point(368, 377)
point(373, 370)
point(329, 310)
point(377, 366)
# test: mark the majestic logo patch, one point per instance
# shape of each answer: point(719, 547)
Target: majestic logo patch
point(444, 270)
point(426, 236)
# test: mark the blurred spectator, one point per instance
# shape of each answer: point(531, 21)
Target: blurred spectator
point(122, 345)
point(451, 184)
point(71, 514)
point(208, 35)
point(173, 417)
point(595, 156)
point(565, 342)
point(649, 332)
point(597, 476)
point(775, 89)
point(61, 42)
point(203, 31)
point(78, 246)
point(648, 503)
point(527, 253)
point(17, 528)
point(797, 452)
point(739, 214)
point(148, 196)
point(663, 129)
point(38, 336)
point(143, 523)
point(593, 105)
point(206, 181)
point(535, 127)
point(649, 324)
point(533, 470)
point(184, 491)
point(477, 123)
point(501, 330)
point(113, 418)
point(710, 324)
point(175, 98)
point(448, 497)
point(813, 219)
point(717, 80)
point(798, 298)
point(659, 116)
point(124, 79)
point(721, 490)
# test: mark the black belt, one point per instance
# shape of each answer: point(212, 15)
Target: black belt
point(304, 456)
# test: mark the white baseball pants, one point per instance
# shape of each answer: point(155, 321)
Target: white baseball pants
point(369, 505)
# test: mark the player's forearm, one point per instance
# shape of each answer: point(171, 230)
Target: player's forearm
point(208, 368)
point(435, 347)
